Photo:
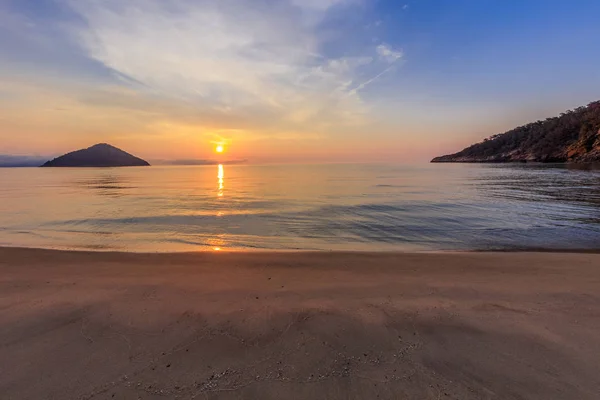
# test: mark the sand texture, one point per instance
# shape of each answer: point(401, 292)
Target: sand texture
point(299, 326)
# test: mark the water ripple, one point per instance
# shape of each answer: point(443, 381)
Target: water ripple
point(350, 207)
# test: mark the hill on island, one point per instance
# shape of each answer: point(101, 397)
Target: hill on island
point(100, 155)
point(574, 136)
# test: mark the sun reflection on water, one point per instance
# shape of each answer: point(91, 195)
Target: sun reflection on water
point(221, 177)
point(218, 242)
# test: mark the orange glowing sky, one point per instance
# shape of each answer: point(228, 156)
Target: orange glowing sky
point(291, 81)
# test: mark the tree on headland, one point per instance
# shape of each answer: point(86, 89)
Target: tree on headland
point(572, 136)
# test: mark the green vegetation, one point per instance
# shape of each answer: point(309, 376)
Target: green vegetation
point(572, 136)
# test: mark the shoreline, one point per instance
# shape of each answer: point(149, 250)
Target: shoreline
point(303, 251)
point(304, 325)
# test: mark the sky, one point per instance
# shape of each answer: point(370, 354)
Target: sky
point(288, 80)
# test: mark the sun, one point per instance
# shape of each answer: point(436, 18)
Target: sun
point(219, 148)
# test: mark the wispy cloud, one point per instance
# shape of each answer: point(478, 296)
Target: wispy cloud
point(239, 57)
point(387, 53)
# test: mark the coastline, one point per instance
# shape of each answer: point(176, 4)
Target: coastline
point(451, 325)
point(300, 251)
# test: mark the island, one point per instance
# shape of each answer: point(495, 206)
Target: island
point(99, 155)
point(573, 136)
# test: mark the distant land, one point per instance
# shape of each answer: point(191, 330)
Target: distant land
point(574, 136)
point(99, 155)
point(11, 161)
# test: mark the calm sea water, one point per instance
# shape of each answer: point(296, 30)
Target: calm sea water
point(320, 207)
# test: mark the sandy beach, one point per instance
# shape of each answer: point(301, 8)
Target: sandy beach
point(76, 325)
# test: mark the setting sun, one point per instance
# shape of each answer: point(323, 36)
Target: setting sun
point(219, 149)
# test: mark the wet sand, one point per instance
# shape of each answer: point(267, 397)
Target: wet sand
point(77, 325)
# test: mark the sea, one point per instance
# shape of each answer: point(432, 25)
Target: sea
point(329, 207)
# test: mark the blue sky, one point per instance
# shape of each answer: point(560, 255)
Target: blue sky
point(279, 80)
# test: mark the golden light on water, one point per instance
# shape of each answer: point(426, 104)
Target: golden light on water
point(221, 179)
point(217, 243)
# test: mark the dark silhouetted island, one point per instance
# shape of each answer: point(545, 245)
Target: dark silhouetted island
point(100, 155)
point(574, 136)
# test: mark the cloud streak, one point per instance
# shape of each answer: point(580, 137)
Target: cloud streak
point(387, 53)
point(259, 59)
